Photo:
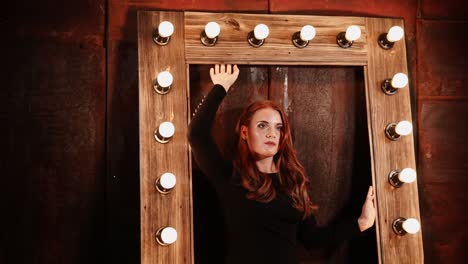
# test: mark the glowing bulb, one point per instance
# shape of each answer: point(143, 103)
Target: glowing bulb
point(404, 128)
point(399, 80)
point(307, 33)
point(261, 31)
point(407, 175)
point(166, 129)
point(411, 225)
point(165, 79)
point(167, 181)
point(353, 33)
point(212, 29)
point(165, 29)
point(166, 235)
point(395, 34)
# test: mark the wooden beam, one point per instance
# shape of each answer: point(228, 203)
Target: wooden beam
point(390, 155)
point(173, 209)
point(232, 46)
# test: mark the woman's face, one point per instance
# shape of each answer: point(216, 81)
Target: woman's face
point(263, 133)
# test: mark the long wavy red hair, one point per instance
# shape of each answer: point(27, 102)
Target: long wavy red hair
point(292, 177)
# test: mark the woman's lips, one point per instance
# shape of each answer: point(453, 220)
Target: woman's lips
point(270, 143)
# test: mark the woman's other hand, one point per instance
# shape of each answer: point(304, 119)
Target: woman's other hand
point(367, 218)
point(224, 74)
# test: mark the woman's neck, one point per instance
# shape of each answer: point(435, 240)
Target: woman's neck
point(266, 165)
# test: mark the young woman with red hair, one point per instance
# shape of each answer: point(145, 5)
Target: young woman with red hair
point(264, 189)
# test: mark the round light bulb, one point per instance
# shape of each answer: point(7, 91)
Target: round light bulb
point(395, 34)
point(308, 33)
point(411, 225)
point(353, 33)
point(168, 235)
point(165, 29)
point(399, 80)
point(261, 31)
point(212, 29)
point(166, 129)
point(404, 128)
point(407, 175)
point(167, 180)
point(165, 79)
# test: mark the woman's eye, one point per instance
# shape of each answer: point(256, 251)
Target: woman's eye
point(261, 125)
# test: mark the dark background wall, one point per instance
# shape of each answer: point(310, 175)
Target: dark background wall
point(69, 115)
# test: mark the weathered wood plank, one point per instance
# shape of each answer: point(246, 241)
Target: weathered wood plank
point(233, 47)
point(173, 209)
point(388, 155)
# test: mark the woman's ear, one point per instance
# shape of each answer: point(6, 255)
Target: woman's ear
point(243, 132)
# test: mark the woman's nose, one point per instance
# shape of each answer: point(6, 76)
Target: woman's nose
point(271, 133)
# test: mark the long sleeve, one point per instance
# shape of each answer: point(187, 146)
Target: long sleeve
point(310, 235)
point(204, 149)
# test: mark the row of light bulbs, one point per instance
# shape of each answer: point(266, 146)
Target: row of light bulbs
point(165, 183)
point(256, 37)
point(394, 131)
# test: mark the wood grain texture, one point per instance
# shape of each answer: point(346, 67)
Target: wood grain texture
point(173, 209)
point(390, 155)
point(233, 47)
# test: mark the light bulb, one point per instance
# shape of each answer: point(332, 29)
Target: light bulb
point(353, 33)
point(165, 29)
point(407, 175)
point(212, 29)
point(404, 128)
point(411, 225)
point(399, 80)
point(165, 79)
point(166, 129)
point(307, 33)
point(167, 180)
point(395, 34)
point(166, 236)
point(261, 31)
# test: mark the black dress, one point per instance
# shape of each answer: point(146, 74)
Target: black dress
point(257, 232)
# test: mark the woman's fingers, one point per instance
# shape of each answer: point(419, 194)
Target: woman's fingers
point(212, 72)
point(229, 69)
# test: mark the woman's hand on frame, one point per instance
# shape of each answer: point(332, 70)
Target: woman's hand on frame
point(367, 218)
point(224, 74)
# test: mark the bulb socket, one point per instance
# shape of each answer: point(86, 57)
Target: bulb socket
point(253, 41)
point(342, 41)
point(161, 41)
point(384, 43)
point(387, 87)
point(298, 42)
point(207, 41)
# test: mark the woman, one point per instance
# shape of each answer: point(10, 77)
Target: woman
point(264, 190)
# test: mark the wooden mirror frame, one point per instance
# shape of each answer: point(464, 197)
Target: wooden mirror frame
point(185, 48)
